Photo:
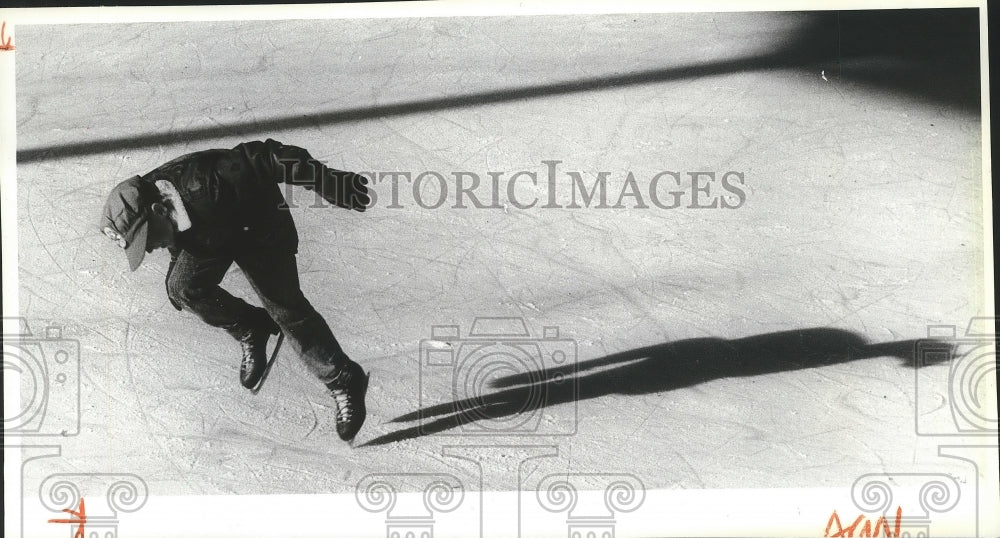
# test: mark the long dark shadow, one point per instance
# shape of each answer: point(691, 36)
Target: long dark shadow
point(930, 53)
point(648, 370)
point(333, 117)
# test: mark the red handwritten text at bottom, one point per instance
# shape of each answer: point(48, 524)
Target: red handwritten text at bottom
point(881, 526)
point(81, 513)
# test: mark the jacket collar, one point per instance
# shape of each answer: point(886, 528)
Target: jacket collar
point(179, 213)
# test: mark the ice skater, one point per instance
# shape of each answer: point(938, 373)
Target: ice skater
point(216, 207)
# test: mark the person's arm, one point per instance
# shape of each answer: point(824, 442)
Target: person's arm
point(295, 166)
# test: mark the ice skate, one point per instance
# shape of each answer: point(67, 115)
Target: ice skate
point(254, 344)
point(348, 391)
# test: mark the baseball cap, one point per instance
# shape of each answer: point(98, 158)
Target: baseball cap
point(126, 217)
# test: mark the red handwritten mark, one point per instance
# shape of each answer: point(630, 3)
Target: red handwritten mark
point(866, 531)
point(5, 41)
point(82, 514)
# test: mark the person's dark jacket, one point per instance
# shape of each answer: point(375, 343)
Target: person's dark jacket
point(234, 201)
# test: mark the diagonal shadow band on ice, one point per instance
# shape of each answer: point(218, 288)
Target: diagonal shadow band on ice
point(929, 53)
point(350, 115)
point(653, 369)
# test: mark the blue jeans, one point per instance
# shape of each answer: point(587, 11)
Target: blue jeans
point(193, 283)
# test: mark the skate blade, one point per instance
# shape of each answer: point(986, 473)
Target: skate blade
point(270, 363)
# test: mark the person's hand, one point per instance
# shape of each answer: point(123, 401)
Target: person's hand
point(345, 189)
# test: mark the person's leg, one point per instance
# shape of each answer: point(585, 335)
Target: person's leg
point(194, 284)
point(274, 276)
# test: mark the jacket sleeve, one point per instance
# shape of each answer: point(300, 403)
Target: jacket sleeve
point(295, 166)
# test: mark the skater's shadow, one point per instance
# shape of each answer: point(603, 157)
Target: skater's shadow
point(651, 369)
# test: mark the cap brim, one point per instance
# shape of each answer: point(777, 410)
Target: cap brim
point(136, 250)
